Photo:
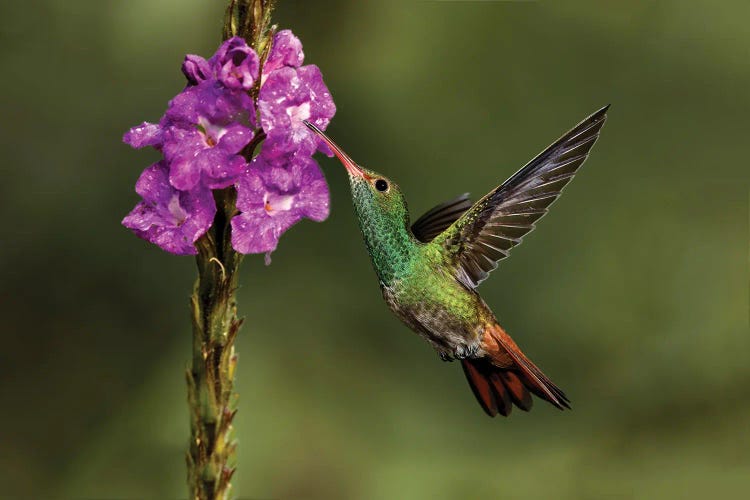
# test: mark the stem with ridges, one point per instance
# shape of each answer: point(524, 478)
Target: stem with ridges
point(211, 456)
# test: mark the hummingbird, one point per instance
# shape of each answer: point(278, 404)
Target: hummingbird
point(429, 271)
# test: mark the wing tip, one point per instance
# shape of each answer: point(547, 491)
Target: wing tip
point(601, 112)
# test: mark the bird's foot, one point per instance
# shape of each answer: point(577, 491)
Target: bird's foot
point(446, 357)
point(461, 352)
point(466, 351)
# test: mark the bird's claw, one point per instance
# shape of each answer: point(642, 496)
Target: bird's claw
point(461, 352)
point(466, 351)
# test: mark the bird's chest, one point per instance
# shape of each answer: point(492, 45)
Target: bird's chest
point(446, 319)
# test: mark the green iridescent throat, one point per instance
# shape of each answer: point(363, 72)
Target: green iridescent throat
point(384, 221)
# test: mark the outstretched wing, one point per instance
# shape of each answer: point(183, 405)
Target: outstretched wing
point(496, 223)
point(439, 218)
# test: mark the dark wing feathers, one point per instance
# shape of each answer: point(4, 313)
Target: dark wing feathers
point(439, 218)
point(498, 222)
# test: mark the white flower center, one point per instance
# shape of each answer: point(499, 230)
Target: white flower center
point(212, 134)
point(299, 113)
point(275, 204)
point(175, 210)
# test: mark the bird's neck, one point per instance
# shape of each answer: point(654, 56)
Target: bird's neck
point(389, 242)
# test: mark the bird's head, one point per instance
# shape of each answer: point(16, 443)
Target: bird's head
point(375, 196)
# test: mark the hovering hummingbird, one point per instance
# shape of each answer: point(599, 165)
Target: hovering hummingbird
point(429, 272)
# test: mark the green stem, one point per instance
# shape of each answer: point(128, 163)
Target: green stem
point(211, 457)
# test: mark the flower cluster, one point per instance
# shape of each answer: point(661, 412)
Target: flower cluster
point(205, 137)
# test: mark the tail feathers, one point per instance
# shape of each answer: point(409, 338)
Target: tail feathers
point(517, 390)
point(538, 383)
point(499, 384)
point(533, 378)
point(488, 385)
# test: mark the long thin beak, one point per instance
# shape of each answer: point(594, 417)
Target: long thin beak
point(351, 167)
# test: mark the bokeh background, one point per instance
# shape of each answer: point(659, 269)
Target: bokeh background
point(632, 295)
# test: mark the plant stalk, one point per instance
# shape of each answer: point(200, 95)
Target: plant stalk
point(213, 403)
point(211, 457)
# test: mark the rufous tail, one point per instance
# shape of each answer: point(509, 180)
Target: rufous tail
point(504, 377)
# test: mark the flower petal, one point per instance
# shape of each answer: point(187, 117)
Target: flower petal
point(204, 130)
point(289, 96)
point(285, 51)
point(220, 170)
point(235, 137)
point(196, 69)
point(183, 175)
point(169, 218)
point(272, 197)
point(145, 134)
point(313, 201)
point(236, 64)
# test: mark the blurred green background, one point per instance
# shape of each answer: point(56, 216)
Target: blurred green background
point(632, 295)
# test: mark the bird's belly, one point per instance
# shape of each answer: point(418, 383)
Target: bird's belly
point(453, 333)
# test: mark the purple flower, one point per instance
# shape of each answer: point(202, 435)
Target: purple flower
point(289, 96)
point(272, 198)
point(196, 69)
point(145, 134)
point(169, 218)
point(235, 64)
point(286, 50)
point(203, 137)
point(203, 132)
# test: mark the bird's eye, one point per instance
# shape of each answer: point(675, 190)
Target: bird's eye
point(381, 185)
